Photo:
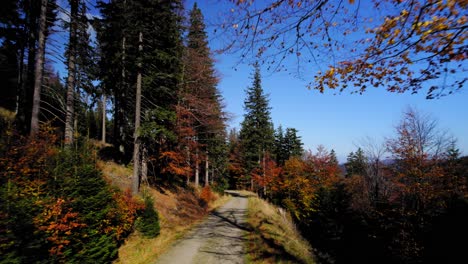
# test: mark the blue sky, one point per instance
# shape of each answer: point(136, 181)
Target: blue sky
point(338, 122)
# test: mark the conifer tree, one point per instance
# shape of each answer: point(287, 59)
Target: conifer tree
point(356, 163)
point(280, 155)
point(21, 42)
point(114, 63)
point(201, 98)
point(293, 143)
point(38, 69)
point(71, 60)
point(257, 133)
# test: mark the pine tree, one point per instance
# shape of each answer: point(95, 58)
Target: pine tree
point(333, 158)
point(22, 37)
point(114, 64)
point(71, 61)
point(201, 98)
point(256, 134)
point(293, 143)
point(38, 69)
point(356, 164)
point(280, 153)
point(287, 144)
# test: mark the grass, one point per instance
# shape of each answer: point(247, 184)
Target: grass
point(178, 209)
point(274, 238)
point(177, 217)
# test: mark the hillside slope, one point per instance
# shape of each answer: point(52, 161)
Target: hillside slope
point(274, 237)
point(179, 210)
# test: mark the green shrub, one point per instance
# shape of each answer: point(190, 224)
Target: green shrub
point(55, 206)
point(148, 222)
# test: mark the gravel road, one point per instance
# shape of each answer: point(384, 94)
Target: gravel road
point(218, 239)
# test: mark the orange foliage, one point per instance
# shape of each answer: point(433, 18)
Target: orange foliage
point(27, 162)
point(175, 163)
point(124, 215)
point(59, 222)
point(418, 179)
point(321, 167)
point(268, 174)
point(207, 195)
point(301, 179)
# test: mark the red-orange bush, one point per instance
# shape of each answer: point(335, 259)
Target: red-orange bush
point(207, 195)
point(59, 223)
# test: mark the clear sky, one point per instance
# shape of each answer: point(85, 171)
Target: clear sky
point(340, 121)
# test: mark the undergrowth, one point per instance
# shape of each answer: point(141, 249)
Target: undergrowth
point(55, 206)
point(274, 237)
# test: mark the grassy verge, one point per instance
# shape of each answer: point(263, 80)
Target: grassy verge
point(274, 238)
point(178, 209)
point(176, 219)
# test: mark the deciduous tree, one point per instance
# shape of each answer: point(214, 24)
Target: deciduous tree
point(397, 45)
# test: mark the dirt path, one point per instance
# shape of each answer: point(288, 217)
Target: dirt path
point(218, 239)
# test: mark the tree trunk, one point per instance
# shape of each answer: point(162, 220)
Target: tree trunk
point(264, 175)
point(197, 170)
point(103, 138)
point(144, 165)
point(136, 147)
point(212, 175)
point(38, 70)
point(207, 171)
point(69, 131)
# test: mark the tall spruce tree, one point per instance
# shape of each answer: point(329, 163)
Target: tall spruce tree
point(114, 64)
point(257, 133)
point(20, 23)
point(39, 68)
point(71, 65)
point(293, 143)
point(287, 144)
point(356, 163)
point(201, 98)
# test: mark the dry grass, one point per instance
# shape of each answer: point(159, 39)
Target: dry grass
point(178, 213)
point(7, 115)
point(118, 175)
point(179, 210)
point(275, 238)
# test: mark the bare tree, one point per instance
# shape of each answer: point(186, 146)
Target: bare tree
point(103, 136)
point(355, 45)
point(38, 69)
point(69, 119)
point(375, 153)
point(136, 148)
point(419, 138)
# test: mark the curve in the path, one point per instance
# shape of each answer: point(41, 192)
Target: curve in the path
point(218, 239)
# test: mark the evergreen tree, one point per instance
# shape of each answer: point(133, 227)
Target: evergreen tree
point(161, 60)
point(38, 68)
point(287, 144)
point(279, 150)
point(256, 134)
point(356, 163)
point(71, 65)
point(26, 44)
point(333, 158)
point(114, 64)
point(9, 46)
point(293, 143)
point(202, 99)
point(161, 66)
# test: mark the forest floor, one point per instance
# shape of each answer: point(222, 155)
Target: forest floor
point(220, 238)
point(178, 209)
